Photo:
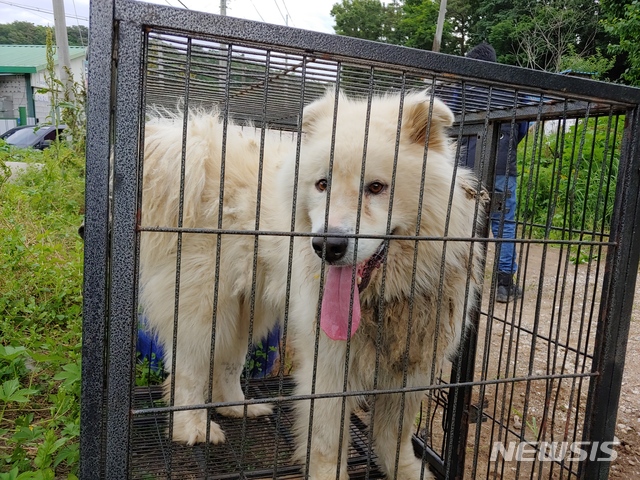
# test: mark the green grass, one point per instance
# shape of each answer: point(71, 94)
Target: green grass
point(40, 314)
point(567, 183)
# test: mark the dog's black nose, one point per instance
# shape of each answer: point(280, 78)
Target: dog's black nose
point(336, 247)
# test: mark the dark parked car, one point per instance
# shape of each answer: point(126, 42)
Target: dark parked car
point(11, 131)
point(38, 137)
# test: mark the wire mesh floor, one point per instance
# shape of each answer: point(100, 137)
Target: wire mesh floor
point(255, 448)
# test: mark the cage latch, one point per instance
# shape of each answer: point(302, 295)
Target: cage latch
point(474, 411)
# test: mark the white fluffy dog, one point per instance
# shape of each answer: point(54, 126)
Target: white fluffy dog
point(403, 299)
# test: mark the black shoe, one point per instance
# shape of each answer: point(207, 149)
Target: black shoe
point(507, 290)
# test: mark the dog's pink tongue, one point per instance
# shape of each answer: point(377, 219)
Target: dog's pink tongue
point(334, 317)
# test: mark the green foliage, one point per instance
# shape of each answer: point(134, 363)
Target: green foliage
point(417, 25)
point(67, 104)
point(537, 34)
point(25, 33)
point(257, 359)
point(551, 35)
point(411, 23)
point(597, 65)
point(54, 86)
point(459, 15)
point(366, 19)
point(38, 444)
point(40, 313)
point(568, 180)
point(626, 30)
point(149, 372)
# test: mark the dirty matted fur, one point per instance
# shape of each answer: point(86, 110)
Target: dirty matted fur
point(425, 311)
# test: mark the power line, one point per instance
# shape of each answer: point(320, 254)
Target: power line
point(187, 8)
point(278, 7)
point(257, 11)
point(36, 9)
point(288, 14)
point(78, 22)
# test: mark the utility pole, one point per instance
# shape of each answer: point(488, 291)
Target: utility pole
point(441, 14)
point(223, 7)
point(62, 43)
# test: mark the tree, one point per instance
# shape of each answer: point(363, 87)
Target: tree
point(411, 23)
point(626, 28)
point(553, 31)
point(25, 33)
point(417, 26)
point(547, 34)
point(366, 19)
point(551, 35)
point(459, 16)
point(22, 33)
point(78, 35)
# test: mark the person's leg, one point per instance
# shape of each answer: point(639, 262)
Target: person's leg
point(503, 225)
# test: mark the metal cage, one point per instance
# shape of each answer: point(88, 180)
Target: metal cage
point(541, 369)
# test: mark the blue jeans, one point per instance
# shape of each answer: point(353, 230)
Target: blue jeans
point(503, 224)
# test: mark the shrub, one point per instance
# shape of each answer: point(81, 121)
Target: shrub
point(40, 313)
point(568, 180)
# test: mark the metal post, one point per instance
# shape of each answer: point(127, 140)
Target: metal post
point(438, 38)
point(615, 310)
point(459, 407)
point(96, 235)
point(62, 42)
point(123, 274)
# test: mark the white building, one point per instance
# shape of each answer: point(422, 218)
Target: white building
point(22, 74)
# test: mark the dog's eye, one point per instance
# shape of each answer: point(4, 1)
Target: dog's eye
point(376, 188)
point(321, 185)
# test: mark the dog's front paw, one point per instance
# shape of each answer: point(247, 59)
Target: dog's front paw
point(415, 471)
point(191, 428)
point(327, 471)
point(256, 410)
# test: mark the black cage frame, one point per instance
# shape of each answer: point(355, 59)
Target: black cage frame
point(118, 89)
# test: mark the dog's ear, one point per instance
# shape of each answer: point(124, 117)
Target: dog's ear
point(322, 107)
point(426, 116)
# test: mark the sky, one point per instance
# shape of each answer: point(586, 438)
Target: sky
point(306, 14)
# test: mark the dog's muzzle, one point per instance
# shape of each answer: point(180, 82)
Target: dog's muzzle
point(336, 247)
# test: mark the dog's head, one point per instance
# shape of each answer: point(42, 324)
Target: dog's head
point(362, 169)
point(361, 172)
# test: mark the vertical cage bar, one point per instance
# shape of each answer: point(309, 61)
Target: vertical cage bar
point(123, 286)
point(617, 302)
point(110, 311)
point(96, 234)
point(484, 166)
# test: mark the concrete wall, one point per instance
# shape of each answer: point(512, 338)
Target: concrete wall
point(13, 88)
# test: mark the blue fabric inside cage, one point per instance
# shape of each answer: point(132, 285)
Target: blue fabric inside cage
point(261, 359)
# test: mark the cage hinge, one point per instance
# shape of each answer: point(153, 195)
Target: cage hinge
point(497, 202)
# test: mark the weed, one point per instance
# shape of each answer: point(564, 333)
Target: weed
point(531, 423)
point(568, 179)
point(40, 315)
point(41, 298)
point(149, 371)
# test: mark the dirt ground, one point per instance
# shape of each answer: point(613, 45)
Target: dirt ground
point(560, 304)
point(551, 331)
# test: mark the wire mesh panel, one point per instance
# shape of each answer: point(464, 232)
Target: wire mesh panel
point(295, 258)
